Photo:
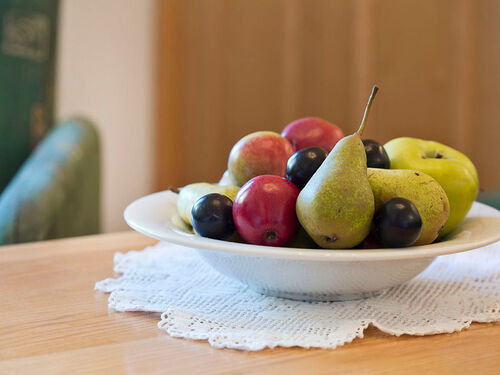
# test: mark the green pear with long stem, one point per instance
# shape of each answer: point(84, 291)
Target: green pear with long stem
point(336, 206)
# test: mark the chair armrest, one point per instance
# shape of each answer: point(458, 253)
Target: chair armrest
point(56, 192)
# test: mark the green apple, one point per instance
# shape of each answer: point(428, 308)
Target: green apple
point(453, 170)
point(189, 194)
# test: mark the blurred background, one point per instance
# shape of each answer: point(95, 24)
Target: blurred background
point(168, 86)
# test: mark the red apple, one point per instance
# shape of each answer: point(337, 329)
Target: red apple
point(264, 211)
point(258, 153)
point(312, 132)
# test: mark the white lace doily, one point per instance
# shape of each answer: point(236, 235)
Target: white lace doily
point(199, 303)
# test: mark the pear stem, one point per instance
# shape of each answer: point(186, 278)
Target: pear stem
point(367, 109)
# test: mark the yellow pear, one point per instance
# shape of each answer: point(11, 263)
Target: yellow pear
point(421, 189)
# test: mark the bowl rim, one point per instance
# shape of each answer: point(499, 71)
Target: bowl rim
point(169, 233)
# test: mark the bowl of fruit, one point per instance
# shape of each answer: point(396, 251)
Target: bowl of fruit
point(313, 215)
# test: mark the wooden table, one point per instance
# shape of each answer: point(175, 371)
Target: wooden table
point(52, 321)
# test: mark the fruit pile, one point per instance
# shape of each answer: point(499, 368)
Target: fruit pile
point(312, 187)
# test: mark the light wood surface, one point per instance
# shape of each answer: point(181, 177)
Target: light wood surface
point(230, 67)
point(53, 322)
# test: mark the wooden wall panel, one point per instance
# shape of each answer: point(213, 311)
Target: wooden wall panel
point(169, 92)
point(485, 134)
point(230, 67)
point(415, 59)
point(252, 76)
point(326, 58)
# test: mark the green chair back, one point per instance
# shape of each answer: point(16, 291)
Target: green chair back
point(56, 192)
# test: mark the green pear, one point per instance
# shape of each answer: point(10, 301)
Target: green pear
point(336, 206)
point(419, 188)
point(189, 194)
point(453, 170)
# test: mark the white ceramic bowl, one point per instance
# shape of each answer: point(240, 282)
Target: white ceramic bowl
point(310, 274)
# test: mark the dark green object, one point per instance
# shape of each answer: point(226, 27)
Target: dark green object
point(27, 64)
point(491, 198)
point(56, 192)
point(302, 240)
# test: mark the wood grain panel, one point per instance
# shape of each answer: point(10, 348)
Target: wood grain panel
point(252, 52)
point(363, 61)
point(414, 56)
point(169, 93)
point(326, 56)
point(485, 135)
point(228, 68)
point(231, 67)
point(465, 93)
point(293, 40)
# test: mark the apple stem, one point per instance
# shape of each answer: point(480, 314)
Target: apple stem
point(367, 109)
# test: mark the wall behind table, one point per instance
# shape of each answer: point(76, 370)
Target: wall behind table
point(105, 71)
point(230, 67)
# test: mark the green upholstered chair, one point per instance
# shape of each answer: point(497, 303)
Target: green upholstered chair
point(55, 193)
